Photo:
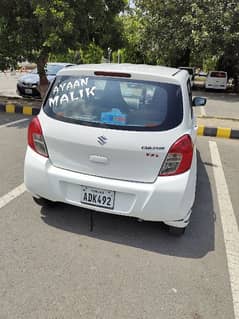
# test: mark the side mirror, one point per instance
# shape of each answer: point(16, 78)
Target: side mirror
point(199, 101)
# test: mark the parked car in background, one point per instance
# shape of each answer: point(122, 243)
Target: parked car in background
point(216, 80)
point(119, 139)
point(191, 72)
point(27, 84)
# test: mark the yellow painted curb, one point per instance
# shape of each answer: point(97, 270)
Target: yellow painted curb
point(223, 132)
point(27, 110)
point(10, 108)
point(200, 130)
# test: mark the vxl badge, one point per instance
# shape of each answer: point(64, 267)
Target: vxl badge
point(102, 140)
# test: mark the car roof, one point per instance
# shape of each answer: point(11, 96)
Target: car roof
point(142, 69)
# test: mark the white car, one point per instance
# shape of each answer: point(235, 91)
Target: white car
point(216, 80)
point(191, 71)
point(119, 139)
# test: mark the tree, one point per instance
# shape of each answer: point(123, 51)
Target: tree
point(33, 29)
point(173, 30)
point(225, 37)
point(92, 54)
point(178, 32)
point(132, 32)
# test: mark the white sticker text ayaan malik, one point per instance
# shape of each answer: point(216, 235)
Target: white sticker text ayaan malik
point(71, 91)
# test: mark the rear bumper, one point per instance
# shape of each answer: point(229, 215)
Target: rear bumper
point(215, 86)
point(168, 199)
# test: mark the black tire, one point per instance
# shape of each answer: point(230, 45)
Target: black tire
point(43, 202)
point(176, 231)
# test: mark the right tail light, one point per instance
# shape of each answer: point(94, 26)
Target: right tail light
point(179, 157)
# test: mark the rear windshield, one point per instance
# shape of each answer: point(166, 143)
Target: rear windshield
point(115, 103)
point(218, 74)
point(51, 69)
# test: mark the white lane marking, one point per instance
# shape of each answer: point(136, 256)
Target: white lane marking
point(5, 199)
point(12, 123)
point(229, 225)
point(202, 111)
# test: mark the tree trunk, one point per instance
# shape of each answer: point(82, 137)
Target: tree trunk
point(43, 83)
point(182, 59)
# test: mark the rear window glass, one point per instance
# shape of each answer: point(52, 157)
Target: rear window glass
point(51, 69)
point(217, 74)
point(115, 102)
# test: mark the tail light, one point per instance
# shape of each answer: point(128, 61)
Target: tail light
point(35, 137)
point(179, 157)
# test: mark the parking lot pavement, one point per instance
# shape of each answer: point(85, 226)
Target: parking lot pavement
point(219, 104)
point(230, 164)
point(8, 83)
point(9, 118)
point(216, 122)
point(52, 266)
point(13, 146)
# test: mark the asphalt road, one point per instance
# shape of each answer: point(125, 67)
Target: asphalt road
point(52, 266)
point(219, 104)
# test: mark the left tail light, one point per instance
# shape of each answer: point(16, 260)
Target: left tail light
point(35, 137)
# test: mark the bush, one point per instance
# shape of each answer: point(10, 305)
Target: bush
point(92, 54)
point(210, 63)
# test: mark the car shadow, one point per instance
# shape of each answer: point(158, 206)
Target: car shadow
point(197, 241)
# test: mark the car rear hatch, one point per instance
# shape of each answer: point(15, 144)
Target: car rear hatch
point(217, 78)
point(111, 127)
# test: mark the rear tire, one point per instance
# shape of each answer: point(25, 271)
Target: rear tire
point(43, 202)
point(176, 231)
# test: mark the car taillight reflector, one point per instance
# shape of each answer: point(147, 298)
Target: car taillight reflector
point(36, 139)
point(179, 157)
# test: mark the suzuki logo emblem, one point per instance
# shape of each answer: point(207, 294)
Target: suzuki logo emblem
point(102, 140)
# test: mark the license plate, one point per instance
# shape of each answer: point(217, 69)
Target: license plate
point(97, 197)
point(28, 91)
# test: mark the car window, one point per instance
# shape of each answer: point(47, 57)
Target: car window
point(116, 103)
point(218, 74)
point(52, 69)
point(34, 71)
